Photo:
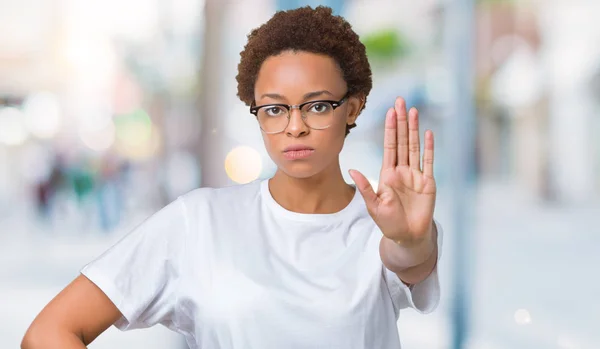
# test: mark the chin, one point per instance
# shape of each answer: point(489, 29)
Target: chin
point(299, 169)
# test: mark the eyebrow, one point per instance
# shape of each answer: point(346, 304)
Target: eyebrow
point(307, 96)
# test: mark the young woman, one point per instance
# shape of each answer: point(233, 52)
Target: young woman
point(300, 260)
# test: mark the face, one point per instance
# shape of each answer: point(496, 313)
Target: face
point(294, 78)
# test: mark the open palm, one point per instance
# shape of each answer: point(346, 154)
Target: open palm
point(404, 203)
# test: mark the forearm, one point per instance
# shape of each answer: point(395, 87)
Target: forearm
point(412, 263)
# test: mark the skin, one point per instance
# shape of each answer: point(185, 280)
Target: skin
point(73, 319)
point(402, 206)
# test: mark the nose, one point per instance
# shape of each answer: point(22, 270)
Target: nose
point(296, 126)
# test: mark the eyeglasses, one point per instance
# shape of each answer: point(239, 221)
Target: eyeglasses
point(318, 115)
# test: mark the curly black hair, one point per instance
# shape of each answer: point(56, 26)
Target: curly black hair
point(311, 30)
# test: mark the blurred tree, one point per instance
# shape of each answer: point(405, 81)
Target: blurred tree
point(386, 46)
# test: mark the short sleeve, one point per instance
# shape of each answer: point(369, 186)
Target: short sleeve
point(140, 273)
point(424, 296)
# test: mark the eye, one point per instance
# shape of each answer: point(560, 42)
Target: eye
point(319, 107)
point(274, 111)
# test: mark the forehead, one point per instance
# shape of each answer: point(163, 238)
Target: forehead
point(293, 74)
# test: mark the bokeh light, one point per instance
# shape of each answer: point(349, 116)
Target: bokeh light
point(243, 164)
point(98, 138)
point(143, 151)
point(91, 57)
point(134, 129)
point(522, 317)
point(42, 114)
point(137, 138)
point(12, 127)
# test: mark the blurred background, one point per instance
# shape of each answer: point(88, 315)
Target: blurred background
point(111, 109)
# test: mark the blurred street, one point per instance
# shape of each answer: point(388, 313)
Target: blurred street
point(111, 109)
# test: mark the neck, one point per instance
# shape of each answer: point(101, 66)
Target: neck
point(323, 193)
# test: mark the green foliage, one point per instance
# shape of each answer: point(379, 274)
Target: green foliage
point(385, 45)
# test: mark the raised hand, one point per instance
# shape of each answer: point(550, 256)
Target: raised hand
point(404, 203)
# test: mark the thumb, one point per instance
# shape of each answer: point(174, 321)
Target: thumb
point(365, 189)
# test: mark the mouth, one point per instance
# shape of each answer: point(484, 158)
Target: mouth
point(296, 152)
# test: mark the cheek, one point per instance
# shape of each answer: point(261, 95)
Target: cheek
point(270, 142)
point(331, 140)
point(336, 141)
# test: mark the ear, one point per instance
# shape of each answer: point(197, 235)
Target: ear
point(355, 104)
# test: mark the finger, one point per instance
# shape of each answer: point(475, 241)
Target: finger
point(365, 189)
point(402, 131)
point(414, 148)
point(428, 154)
point(389, 140)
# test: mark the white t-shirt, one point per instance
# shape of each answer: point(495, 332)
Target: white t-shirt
point(231, 268)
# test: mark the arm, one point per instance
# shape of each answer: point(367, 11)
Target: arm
point(73, 319)
point(413, 263)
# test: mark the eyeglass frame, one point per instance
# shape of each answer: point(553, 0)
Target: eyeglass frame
point(334, 104)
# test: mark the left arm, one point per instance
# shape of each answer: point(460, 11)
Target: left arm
point(404, 203)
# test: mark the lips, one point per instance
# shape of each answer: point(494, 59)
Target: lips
point(298, 151)
point(297, 147)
